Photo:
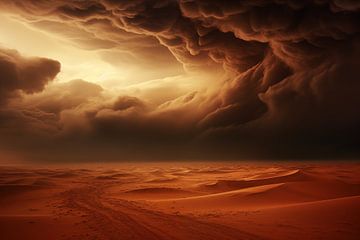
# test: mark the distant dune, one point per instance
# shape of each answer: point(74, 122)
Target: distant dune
point(185, 201)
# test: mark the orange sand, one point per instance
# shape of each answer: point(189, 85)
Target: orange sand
point(181, 201)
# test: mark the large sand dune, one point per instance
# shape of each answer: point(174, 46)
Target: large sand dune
point(181, 201)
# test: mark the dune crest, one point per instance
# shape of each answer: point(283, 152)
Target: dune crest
point(226, 185)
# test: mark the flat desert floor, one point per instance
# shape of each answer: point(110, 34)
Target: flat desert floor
point(204, 201)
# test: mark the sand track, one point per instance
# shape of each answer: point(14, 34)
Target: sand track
point(116, 219)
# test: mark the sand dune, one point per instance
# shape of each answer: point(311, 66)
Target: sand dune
point(337, 218)
point(293, 187)
point(157, 193)
point(225, 185)
point(194, 201)
point(11, 189)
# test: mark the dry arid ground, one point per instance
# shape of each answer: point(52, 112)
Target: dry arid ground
point(181, 201)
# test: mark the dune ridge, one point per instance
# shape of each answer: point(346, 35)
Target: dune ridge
point(292, 176)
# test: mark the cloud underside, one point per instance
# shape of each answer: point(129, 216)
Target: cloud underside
point(289, 89)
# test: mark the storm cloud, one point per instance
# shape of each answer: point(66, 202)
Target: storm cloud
point(289, 85)
point(19, 73)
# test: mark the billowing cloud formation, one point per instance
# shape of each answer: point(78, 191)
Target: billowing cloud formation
point(29, 75)
point(290, 87)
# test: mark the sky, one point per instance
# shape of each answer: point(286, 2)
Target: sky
point(166, 80)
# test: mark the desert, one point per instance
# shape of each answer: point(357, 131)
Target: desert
point(286, 200)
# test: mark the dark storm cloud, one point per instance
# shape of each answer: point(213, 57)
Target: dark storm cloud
point(292, 70)
point(18, 73)
point(21, 75)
